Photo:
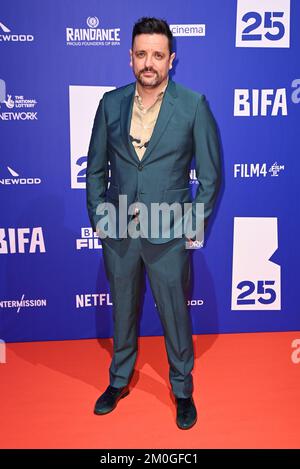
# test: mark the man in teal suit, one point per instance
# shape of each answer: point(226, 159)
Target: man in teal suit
point(149, 131)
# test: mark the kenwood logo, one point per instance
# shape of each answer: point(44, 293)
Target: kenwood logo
point(7, 37)
point(16, 180)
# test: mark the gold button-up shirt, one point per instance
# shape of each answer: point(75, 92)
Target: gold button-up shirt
point(143, 121)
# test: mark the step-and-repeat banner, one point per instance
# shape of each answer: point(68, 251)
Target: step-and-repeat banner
point(57, 60)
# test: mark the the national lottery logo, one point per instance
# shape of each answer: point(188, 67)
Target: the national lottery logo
point(256, 170)
point(263, 23)
point(93, 36)
point(6, 35)
point(17, 106)
point(88, 240)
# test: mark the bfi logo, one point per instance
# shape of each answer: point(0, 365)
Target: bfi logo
point(88, 240)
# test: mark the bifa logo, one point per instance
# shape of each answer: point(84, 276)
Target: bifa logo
point(83, 102)
point(265, 102)
point(88, 240)
point(6, 36)
point(256, 279)
point(263, 23)
point(22, 240)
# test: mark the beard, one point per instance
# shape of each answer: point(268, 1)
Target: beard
point(149, 82)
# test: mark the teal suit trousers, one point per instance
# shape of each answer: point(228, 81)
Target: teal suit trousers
point(168, 268)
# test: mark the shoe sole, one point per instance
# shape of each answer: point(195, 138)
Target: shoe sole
point(187, 428)
point(103, 413)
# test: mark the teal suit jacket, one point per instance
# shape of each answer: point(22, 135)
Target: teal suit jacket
point(185, 127)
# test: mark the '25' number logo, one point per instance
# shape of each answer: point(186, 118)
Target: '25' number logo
point(267, 294)
point(269, 23)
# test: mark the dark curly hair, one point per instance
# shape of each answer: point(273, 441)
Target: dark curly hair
point(147, 25)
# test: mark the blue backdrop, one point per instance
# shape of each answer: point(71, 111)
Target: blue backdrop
point(57, 59)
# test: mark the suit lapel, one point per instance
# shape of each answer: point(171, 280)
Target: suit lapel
point(166, 110)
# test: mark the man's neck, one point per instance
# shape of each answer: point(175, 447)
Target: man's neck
point(148, 93)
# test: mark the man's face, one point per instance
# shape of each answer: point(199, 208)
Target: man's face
point(150, 59)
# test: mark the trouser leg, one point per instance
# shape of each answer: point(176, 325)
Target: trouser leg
point(124, 273)
point(169, 276)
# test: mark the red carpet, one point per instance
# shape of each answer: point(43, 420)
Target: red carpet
point(247, 393)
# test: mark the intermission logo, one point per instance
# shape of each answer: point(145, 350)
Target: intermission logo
point(188, 29)
point(7, 36)
point(16, 107)
point(93, 36)
point(88, 240)
point(263, 23)
point(22, 240)
point(23, 303)
point(256, 278)
point(16, 180)
point(255, 170)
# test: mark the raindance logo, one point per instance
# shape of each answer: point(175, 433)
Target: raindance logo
point(7, 37)
point(14, 103)
point(93, 36)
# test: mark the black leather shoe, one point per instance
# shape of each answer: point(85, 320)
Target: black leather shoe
point(109, 399)
point(186, 412)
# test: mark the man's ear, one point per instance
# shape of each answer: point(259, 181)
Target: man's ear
point(130, 53)
point(172, 57)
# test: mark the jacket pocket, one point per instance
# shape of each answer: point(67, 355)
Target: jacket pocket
point(177, 195)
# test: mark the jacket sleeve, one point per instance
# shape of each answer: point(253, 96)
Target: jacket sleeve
point(207, 158)
point(97, 165)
